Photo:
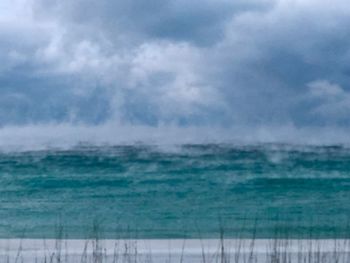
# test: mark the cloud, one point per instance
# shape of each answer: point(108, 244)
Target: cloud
point(199, 22)
point(201, 63)
point(332, 102)
point(324, 89)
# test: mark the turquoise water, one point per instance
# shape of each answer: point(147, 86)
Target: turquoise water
point(174, 192)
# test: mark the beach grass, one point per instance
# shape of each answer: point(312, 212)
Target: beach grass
point(220, 250)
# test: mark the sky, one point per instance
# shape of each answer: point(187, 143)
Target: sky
point(243, 65)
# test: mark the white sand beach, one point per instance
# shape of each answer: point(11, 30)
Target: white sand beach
point(174, 250)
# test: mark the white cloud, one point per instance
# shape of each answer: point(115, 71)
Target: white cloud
point(325, 89)
point(334, 101)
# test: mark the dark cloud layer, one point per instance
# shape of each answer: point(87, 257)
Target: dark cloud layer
point(199, 22)
point(188, 63)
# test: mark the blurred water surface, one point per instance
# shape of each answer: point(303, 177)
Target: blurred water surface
point(181, 191)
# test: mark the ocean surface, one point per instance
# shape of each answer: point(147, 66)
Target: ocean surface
point(185, 191)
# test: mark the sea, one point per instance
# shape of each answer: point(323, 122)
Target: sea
point(263, 190)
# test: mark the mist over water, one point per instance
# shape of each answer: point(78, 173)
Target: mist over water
point(66, 135)
point(185, 191)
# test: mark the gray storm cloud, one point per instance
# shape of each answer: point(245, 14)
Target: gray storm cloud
point(224, 64)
